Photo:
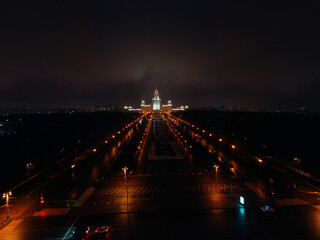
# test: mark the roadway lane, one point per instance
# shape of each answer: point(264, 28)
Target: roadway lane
point(295, 222)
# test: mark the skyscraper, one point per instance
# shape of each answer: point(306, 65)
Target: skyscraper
point(156, 101)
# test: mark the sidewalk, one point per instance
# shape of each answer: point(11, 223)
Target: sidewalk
point(15, 212)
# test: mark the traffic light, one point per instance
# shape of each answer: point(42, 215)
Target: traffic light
point(41, 199)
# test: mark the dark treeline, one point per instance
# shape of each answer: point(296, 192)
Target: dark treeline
point(43, 138)
point(282, 135)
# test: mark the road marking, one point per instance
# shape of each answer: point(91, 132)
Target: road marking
point(117, 191)
point(154, 190)
point(114, 191)
point(141, 188)
point(131, 189)
point(159, 190)
point(144, 189)
point(199, 188)
point(123, 189)
point(100, 192)
point(111, 191)
point(108, 191)
point(194, 187)
point(149, 190)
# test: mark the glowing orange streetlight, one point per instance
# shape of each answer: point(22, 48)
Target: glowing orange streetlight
point(125, 169)
point(216, 171)
point(220, 139)
point(260, 161)
point(7, 195)
point(72, 169)
point(233, 146)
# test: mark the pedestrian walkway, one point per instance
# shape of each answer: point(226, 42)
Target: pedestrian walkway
point(169, 174)
point(158, 190)
point(51, 212)
point(9, 228)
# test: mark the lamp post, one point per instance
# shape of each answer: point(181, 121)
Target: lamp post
point(125, 169)
point(72, 168)
point(7, 195)
point(216, 171)
point(260, 162)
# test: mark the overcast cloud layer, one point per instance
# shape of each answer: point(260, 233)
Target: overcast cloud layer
point(262, 55)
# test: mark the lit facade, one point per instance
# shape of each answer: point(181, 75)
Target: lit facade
point(156, 101)
point(156, 105)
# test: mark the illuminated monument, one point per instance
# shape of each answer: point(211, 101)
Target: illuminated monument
point(156, 101)
point(156, 105)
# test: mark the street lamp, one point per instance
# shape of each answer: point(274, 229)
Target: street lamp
point(6, 195)
point(216, 171)
point(72, 168)
point(260, 162)
point(125, 169)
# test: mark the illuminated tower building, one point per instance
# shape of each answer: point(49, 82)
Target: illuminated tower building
point(156, 101)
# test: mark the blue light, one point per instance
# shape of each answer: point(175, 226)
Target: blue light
point(242, 212)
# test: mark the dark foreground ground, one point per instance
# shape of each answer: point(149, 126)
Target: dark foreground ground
point(170, 194)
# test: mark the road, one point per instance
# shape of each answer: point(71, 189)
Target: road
point(170, 194)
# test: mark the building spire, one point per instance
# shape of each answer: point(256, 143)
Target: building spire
point(156, 93)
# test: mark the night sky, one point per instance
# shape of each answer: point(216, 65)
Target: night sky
point(263, 55)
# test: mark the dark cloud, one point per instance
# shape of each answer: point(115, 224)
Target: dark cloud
point(262, 54)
